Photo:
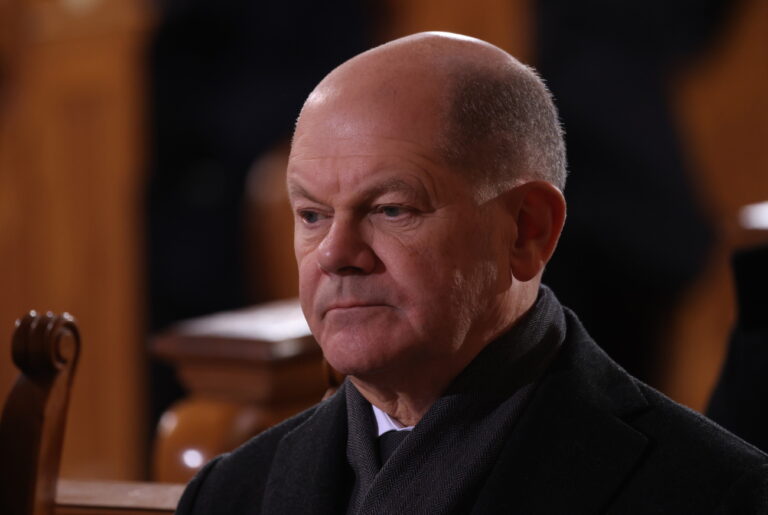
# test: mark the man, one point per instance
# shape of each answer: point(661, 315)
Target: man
point(425, 177)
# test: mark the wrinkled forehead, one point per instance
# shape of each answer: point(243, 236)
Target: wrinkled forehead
point(352, 141)
point(366, 128)
point(405, 102)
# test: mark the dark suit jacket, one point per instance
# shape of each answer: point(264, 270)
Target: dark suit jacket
point(592, 439)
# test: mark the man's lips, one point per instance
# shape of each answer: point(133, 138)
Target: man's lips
point(352, 305)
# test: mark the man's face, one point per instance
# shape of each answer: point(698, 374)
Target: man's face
point(398, 263)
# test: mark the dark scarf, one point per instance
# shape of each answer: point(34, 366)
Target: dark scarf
point(441, 465)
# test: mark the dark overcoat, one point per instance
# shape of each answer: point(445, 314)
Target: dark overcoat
point(591, 439)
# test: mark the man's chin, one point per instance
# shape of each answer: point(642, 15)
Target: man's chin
point(367, 368)
point(367, 350)
point(366, 365)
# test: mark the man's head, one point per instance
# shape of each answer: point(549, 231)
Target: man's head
point(425, 180)
point(501, 126)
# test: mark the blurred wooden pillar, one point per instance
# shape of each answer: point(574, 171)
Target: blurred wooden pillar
point(245, 371)
point(70, 209)
point(722, 105)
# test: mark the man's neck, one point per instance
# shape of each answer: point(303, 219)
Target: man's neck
point(407, 391)
point(406, 406)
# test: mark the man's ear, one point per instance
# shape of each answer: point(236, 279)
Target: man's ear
point(539, 211)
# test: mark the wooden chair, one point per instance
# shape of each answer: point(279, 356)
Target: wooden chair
point(45, 348)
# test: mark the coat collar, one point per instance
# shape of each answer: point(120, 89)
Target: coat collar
point(443, 462)
point(572, 439)
point(309, 473)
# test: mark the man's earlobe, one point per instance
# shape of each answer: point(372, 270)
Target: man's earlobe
point(539, 211)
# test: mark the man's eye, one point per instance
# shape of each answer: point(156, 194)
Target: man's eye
point(392, 211)
point(309, 217)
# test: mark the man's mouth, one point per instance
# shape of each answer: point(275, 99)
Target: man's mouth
point(351, 306)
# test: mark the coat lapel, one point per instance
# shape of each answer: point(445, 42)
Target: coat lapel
point(309, 473)
point(572, 438)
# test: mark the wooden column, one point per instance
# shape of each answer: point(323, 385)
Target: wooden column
point(722, 104)
point(70, 210)
point(245, 371)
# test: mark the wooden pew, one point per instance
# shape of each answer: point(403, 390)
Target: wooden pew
point(46, 348)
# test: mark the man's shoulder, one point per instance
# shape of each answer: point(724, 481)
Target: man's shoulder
point(597, 381)
point(688, 460)
point(675, 430)
point(657, 416)
point(259, 451)
point(683, 454)
point(613, 444)
point(678, 434)
point(689, 430)
point(235, 482)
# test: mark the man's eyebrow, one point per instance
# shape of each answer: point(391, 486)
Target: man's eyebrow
point(296, 190)
point(393, 185)
point(380, 188)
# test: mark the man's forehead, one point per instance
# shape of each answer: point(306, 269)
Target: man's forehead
point(383, 146)
point(363, 130)
point(357, 165)
point(397, 111)
point(340, 147)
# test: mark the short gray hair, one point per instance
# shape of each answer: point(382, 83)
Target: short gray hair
point(503, 125)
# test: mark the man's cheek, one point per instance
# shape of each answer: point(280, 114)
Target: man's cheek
point(307, 291)
point(308, 273)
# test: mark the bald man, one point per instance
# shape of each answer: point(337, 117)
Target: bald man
point(425, 177)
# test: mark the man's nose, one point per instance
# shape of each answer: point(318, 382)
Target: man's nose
point(344, 250)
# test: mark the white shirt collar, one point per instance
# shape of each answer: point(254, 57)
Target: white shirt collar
point(386, 423)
